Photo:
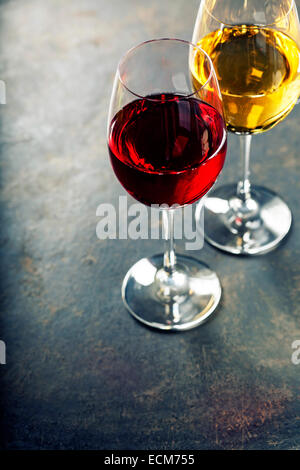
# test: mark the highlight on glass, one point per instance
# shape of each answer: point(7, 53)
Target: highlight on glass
point(254, 46)
point(167, 144)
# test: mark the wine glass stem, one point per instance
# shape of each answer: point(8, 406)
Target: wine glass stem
point(244, 186)
point(169, 255)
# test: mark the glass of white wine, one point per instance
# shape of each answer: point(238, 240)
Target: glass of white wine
point(255, 48)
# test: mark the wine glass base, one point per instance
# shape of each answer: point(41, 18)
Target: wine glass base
point(255, 231)
point(188, 302)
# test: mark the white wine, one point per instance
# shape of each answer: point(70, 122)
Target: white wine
point(259, 75)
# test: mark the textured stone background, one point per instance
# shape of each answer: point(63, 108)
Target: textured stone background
point(80, 372)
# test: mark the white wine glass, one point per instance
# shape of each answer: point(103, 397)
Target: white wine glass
point(254, 46)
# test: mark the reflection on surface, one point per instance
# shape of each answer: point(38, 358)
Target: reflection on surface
point(145, 272)
point(217, 205)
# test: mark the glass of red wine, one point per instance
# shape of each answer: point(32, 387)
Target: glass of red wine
point(167, 144)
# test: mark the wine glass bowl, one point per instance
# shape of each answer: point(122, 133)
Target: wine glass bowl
point(254, 47)
point(167, 144)
point(157, 167)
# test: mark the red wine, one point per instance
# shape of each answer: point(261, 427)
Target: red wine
point(167, 148)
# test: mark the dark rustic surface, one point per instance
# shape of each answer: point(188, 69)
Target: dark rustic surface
point(80, 372)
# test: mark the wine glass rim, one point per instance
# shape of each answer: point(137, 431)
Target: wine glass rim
point(181, 96)
point(256, 24)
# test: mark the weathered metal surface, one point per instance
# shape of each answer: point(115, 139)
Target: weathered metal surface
point(80, 372)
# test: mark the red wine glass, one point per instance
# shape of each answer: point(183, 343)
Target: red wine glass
point(167, 145)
